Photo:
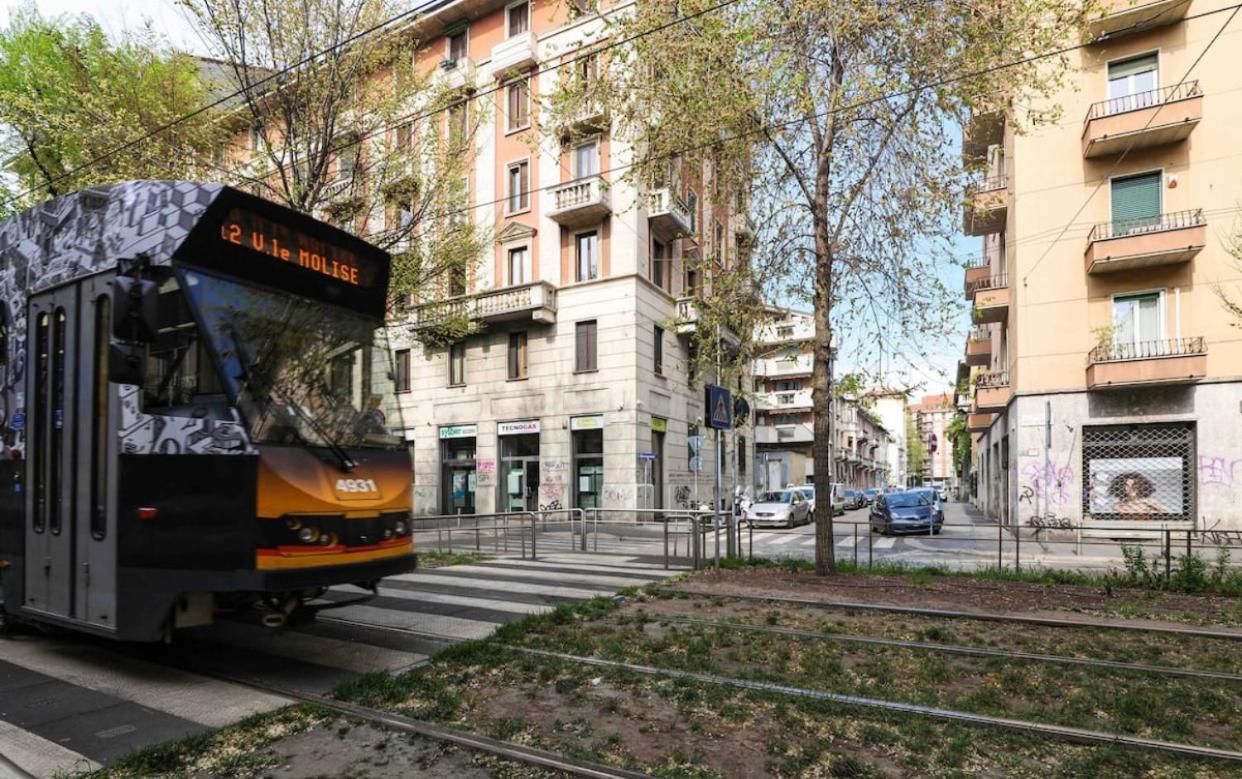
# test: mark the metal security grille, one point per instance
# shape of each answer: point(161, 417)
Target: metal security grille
point(1138, 472)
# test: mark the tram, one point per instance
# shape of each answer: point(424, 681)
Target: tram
point(196, 411)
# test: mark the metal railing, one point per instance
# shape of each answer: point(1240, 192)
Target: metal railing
point(989, 184)
point(998, 281)
point(1139, 100)
point(980, 334)
point(989, 379)
point(1146, 350)
point(1121, 228)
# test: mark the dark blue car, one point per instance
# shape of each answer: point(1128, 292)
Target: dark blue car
point(912, 511)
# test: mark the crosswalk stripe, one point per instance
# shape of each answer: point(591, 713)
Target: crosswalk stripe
point(495, 604)
point(503, 579)
point(566, 590)
point(435, 624)
point(885, 543)
point(788, 538)
point(847, 541)
point(39, 756)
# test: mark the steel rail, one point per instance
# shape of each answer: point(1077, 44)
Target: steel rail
point(1082, 735)
point(959, 649)
point(980, 615)
point(542, 758)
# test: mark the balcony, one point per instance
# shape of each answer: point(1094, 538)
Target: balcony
point(689, 316)
point(979, 347)
point(580, 202)
point(1143, 120)
point(514, 56)
point(991, 299)
point(584, 115)
point(784, 434)
point(979, 422)
point(667, 215)
point(986, 207)
point(976, 274)
point(458, 73)
point(743, 226)
point(535, 302)
point(992, 390)
point(1147, 363)
point(789, 400)
point(1125, 17)
point(800, 365)
point(984, 129)
point(1167, 239)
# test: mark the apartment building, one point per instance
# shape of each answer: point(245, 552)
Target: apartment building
point(890, 409)
point(932, 415)
point(1106, 371)
point(577, 390)
point(784, 422)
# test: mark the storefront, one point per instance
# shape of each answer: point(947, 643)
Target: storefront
point(659, 428)
point(519, 465)
point(457, 469)
point(588, 460)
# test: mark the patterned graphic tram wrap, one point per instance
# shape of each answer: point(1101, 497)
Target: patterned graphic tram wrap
point(196, 406)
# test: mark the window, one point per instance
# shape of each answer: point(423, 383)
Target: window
point(658, 335)
point(517, 355)
point(785, 331)
point(255, 140)
point(405, 137)
point(586, 159)
point(1137, 318)
point(659, 265)
point(692, 205)
point(4, 339)
point(588, 68)
point(789, 385)
point(457, 280)
point(402, 369)
point(180, 376)
point(587, 251)
point(692, 282)
point(517, 99)
point(457, 46)
point(99, 419)
point(1135, 203)
point(519, 270)
point(519, 19)
point(585, 347)
point(519, 187)
point(347, 162)
point(1132, 83)
point(457, 364)
point(718, 244)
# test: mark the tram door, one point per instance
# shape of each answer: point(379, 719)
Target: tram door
point(70, 460)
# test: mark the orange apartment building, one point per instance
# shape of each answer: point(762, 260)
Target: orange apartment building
point(577, 390)
point(1104, 369)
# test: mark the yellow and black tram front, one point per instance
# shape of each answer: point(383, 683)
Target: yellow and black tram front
point(204, 418)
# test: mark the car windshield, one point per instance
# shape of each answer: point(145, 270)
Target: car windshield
point(301, 371)
point(871, 492)
point(784, 496)
point(906, 500)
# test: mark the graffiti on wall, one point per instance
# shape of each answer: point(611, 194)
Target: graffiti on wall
point(1219, 471)
point(618, 496)
point(485, 473)
point(1047, 483)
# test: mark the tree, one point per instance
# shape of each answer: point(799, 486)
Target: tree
point(837, 116)
point(69, 96)
point(337, 124)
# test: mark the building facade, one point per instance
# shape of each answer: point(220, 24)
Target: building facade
point(784, 422)
point(1105, 384)
point(578, 389)
point(932, 415)
point(890, 409)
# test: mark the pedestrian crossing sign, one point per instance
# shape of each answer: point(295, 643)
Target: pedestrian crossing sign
point(720, 407)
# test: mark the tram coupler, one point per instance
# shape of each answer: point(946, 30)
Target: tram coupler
point(276, 617)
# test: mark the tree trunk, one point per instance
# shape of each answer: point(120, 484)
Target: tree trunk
point(821, 401)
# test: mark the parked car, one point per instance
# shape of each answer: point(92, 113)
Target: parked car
point(937, 501)
point(943, 493)
point(870, 494)
point(838, 499)
point(854, 499)
point(779, 508)
point(912, 511)
point(808, 492)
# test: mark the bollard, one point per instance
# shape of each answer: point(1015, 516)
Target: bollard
point(450, 539)
point(870, 546)
point(1168, 554)
point(666, 543)
point(477, 548)
point(1017, 548)
point(533, 533)
point(1000, 545)
point(855, 544)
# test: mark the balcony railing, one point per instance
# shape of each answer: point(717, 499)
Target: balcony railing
point(989, 184)
point(1148, 350)
point(1148, 99)
point(1122, 228)
point(992, 379)
point(689, 312)
point(1128, 17)
point(986, 206)
point(513, 55)
point(667, 213)
point(996, 281)
point(536, 301)
point(580, 202)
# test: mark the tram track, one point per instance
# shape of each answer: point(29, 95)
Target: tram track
point(958, 649)
point(924, 611)
point(1063, 732)
point(541, 758)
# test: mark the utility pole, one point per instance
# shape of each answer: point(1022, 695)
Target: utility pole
point(719, 440)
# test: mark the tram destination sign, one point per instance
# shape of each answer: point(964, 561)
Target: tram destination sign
point(282, 242)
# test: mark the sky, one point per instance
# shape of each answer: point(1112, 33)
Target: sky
point(936, 370)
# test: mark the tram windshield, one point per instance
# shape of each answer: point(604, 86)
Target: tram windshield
point(302, 372)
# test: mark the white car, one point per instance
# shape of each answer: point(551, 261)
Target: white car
point(779, 508)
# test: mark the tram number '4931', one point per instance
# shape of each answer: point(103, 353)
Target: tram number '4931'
point(356, 486)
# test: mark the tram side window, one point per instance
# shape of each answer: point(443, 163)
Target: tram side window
point(181, 379)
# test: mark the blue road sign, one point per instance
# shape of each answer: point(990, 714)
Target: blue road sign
point(647, 456)
point(720, 407)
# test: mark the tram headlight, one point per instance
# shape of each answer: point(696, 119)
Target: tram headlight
point(388, 534)
point(293, 523)
point(328, 539)
point(399, 528)
point(308, 535)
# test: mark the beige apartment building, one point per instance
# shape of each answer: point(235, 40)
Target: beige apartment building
point(1106, 373)
point(578, 390)
point(932, 415)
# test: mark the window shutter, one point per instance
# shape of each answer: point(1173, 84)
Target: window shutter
point(1136, 197)
point(1131, 67)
